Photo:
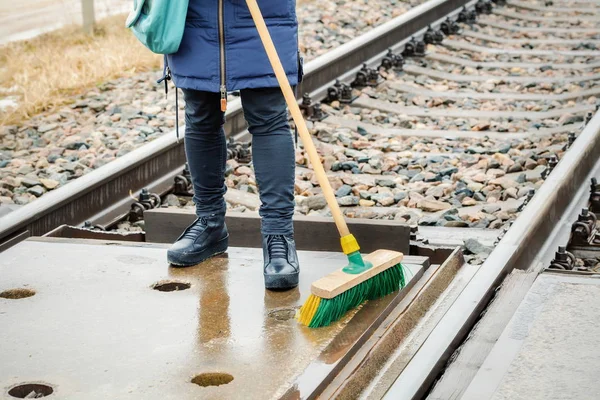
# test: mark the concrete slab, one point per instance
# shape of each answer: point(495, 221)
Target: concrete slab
point(548, 351)
point(449, 236)
point(542, 29)
point(395, 132)
point(547, 54)
point(367, 102)
point(6, 209)
point(96, 329)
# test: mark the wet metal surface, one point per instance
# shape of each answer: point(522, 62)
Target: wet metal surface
point(96, 328)
point(548, 351)
point(164, 225)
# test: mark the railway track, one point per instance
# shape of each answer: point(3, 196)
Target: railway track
point(479, 117)
point(472, 88)
point(102, 197)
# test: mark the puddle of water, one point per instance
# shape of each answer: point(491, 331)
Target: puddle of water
point(212, 379)
point(18, 293)
point(171, 286)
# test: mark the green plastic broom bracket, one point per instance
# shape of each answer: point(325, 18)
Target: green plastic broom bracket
point(356, 264)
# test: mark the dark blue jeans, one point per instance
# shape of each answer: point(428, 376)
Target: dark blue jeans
point(273, 157)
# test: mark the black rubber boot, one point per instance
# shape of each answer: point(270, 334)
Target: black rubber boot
point(281, 268)
point(204, 238)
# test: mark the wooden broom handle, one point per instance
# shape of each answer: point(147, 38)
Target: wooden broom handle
point(298, 119)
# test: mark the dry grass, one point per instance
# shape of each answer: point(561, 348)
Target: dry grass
point(45, 72)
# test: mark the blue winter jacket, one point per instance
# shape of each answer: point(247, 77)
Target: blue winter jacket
point(221, 50)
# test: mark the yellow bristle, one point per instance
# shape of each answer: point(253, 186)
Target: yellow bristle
point(309, 309)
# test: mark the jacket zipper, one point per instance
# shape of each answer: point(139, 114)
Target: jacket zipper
point(223, 88)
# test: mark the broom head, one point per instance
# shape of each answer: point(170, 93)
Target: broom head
point(378, 274)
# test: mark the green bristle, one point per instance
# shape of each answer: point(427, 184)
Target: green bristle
point(378, 286)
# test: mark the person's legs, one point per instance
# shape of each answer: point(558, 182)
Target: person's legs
point(206, 154)
point(274, 162)
point(206, 150)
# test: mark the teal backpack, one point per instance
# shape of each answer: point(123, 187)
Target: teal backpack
point(158, 24)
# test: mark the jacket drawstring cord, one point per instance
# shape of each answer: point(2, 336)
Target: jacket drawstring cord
point(165, 78)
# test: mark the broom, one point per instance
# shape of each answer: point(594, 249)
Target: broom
point(374, 276)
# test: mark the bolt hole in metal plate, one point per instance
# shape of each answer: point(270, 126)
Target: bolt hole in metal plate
point(171, 286)
point(18, 293)
point(283, 314)
point(30, 391)
point(212, 379)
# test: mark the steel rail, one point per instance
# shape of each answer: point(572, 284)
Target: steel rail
point(523, 244)
point(109, 186)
